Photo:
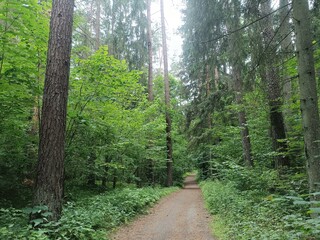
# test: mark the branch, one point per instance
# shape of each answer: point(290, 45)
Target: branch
point(245, 26)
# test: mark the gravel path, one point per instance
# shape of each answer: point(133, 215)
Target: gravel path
point(179, 216)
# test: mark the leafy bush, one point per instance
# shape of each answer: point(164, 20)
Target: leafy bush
point(246, 179)
point(264, 217)
point(89, 218)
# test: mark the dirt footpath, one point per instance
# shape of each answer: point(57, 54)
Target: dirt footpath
point(180, 216)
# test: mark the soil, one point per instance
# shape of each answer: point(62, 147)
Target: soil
point(179, 216)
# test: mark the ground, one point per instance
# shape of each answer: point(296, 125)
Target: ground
point(179, 216)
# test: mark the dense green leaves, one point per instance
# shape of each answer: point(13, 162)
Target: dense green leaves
point(113, 135)
point(23, 42)
point(255, 215)
point(89, 218)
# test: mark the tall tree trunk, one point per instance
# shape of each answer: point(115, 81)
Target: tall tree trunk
point(235, 43)
point(150, 163)
point(272, 83)
point(150, 70)
point(216, 78)
point(287, 50)
point(50, 169)
point(98, 24)
point(91, 178)
point(167, 99)
point(245, 139)
point(308, 92)
point(208, 92)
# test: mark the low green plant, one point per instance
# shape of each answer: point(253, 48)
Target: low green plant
point(89, 218)
point(251, 214)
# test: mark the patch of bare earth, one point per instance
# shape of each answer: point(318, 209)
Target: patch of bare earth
point(179, 216)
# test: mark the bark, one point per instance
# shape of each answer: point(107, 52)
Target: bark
point(245, 139)
point(150, 163)
point(91, 178)
point(50, 168)
point(287, 50)
point(208, 92)
point(271, 80)
point(308, 93)
point(150, 70)
point(98, 24)
point(236, 61)
point(167, 99)
point(114, 181)
point(216, 78)
point(106, 170)
point(112, 47)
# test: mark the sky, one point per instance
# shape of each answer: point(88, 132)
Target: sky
point(173, 18)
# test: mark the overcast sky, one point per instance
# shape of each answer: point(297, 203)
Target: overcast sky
point(173, 22)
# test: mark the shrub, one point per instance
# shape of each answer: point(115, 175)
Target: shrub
point(88, 219)
point(260, 217)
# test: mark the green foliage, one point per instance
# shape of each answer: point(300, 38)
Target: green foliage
point(244, 179)
point(14, 225)
point(102, 87)
point(255, 215)
point(113, 132)
point(123, 29)
point(88, 218)
point(23, 43)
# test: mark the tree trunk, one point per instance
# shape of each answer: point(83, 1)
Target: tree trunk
point(245, 139)
point(167, 99)
point(308, 92)
point(98, 23)
point(286, 50)
point(216, 78)
point(236, 49)
point(50, 169)
point(114, 181)
point(91, 178)
point(106, 170)
point(272, 83)
point(150, 70)
point(150, 163)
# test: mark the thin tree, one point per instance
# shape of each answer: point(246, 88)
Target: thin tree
point(50, 168)
point(167, 98)
point(308, 92)
point(150, 53)
point(98, 24)
point(150, 171)
point(91, 178)
point(286, 52)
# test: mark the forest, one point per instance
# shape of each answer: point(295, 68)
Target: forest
point(98, 124)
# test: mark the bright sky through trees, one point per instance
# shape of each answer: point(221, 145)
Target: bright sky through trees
point(174, 21)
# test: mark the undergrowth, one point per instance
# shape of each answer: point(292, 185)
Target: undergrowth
point(90, 218)
point(244, 208)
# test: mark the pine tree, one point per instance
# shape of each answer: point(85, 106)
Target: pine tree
point(167, 99)
point(308, 92)
point(270, 76)
point(50, 168)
